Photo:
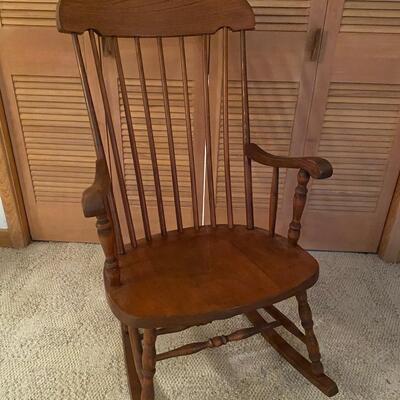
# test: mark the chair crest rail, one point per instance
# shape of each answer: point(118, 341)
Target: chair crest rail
point(145, 18)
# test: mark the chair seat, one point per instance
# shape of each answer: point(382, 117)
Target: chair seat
point(198, 276)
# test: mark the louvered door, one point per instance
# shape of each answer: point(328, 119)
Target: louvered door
point(281, 69)
point(355, 123)
point(342, 104)
point(48, 120)
point(157, 124)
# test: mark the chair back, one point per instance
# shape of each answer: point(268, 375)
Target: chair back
point(170, 132)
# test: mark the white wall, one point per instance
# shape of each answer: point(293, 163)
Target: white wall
point(3, 223)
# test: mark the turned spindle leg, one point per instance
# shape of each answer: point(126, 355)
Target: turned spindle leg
point(311, 340)
point(132, 373)
point(137, 350)
point(149, 364)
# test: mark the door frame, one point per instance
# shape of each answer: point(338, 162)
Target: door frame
point(389, 248)
point(17, 234)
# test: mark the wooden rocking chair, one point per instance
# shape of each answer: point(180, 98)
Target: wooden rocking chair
point(192, 275)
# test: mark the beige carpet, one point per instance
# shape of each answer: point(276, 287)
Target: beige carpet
point(58, 339)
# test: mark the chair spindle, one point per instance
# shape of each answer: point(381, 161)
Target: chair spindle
point(113, 140)
point(273, 201)
point(150, 133)
point(227, 164)
point(171, 146)
point(209, 164)
point(98, 143)
point(188, 118)
point(246, 133)
point(132, 140)
point(208, 54)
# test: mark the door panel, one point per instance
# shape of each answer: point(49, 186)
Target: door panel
point(49, 127)
point(355, 124)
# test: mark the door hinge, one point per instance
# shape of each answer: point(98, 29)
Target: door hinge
point(316, 44)
point(107, 46)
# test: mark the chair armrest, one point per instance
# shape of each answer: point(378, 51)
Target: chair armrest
point(316, 167)
point(94, 198)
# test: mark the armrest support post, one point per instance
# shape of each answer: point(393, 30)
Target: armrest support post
point(299, 203)
point(95, 204)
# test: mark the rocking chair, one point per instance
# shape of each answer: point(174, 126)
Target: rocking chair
point(189, 275)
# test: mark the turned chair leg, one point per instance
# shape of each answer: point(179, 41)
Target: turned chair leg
point(132, 372)
point(149, 364)
point(311, 340)
point(137, 351)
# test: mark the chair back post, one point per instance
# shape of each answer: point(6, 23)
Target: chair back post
point(113, 138)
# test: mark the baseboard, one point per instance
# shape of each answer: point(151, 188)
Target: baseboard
point(5, 240)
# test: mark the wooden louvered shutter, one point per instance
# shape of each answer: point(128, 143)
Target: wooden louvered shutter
point(371, 16)
point(355, 123)
point(153, 80)
point(48, 120)
point(281, 73)
point(17, 13)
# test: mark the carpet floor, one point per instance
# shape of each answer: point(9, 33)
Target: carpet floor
point(58, 339)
